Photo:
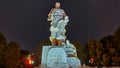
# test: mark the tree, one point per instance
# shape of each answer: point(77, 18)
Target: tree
point(91, 48)
point(117, 43)
point(110, 49)
point(98, 52)
point(12, 54)
point(105, 59)
point(3, 39)
point(117, 39)
point(3, 44)
point(95, 50)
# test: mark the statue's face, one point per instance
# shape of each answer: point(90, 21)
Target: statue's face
point(57, 5)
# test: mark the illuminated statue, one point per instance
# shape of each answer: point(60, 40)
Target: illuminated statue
point(64, 55)
point(58, 20)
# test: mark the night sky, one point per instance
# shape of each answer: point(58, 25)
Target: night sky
point(25, 21)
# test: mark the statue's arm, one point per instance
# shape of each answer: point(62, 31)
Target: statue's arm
point(64, 13)
point(65, 17)
point(51, 11)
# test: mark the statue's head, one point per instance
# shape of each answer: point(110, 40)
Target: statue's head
point(57, 5)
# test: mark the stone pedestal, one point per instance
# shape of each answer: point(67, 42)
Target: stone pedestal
point(56, 57)
point(45, 50)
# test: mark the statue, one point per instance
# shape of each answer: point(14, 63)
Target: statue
point(64, 55)
point(58, 20)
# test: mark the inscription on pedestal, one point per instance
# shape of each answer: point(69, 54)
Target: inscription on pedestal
point(56, 58)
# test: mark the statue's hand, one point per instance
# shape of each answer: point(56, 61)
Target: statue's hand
point(66, 19)
point(49, 17)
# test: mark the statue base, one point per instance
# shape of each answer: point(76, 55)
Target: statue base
point(56, 57)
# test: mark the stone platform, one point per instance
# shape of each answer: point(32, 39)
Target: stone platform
point(56, 57)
